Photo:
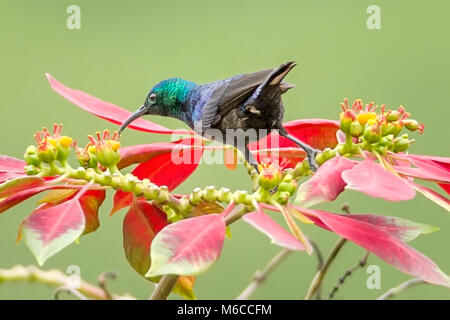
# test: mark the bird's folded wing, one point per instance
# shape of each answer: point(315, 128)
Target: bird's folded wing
point(231, 94)
point(240, 89)
point(235, 91)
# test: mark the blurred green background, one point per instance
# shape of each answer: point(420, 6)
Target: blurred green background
point(123, 48)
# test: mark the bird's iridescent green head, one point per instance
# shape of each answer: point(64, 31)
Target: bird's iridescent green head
point(167, 98)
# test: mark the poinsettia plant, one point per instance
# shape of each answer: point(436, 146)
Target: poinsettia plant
point(170, 238)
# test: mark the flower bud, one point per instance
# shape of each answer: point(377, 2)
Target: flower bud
point(356, 129)
point(340, 149)
point(393, 128)
point(224, 195)
point(393, 115)
point(372, 133)
point(282, 197)
point(241, 196)
point(320, 158)
point(105, 148)
point(31, 170)
point(270, 176)
point(211, 193)
point(328, 153)
point(347, 117)
point(401, 144)
point(411, 124)
point(172, 216)
point(381, 150)
point(31, 157)
point(46, 153)
point(108, 157)
point(290, 186)
point(387, 141)
point(62, 145)
point(163, 194)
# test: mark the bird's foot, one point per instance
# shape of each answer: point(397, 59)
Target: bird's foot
point(311, 154)
point(252, 109)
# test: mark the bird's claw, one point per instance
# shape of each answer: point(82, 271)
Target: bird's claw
point(311, 154)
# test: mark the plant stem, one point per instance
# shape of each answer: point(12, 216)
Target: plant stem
point(55, 278)
point(319, 261)
point(260, 276)
point(164, 287)
point(348, 273)
point(315, 284)
point(401, 287)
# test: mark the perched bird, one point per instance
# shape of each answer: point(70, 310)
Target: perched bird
point(235, 111)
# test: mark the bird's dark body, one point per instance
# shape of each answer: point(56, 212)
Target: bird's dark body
point(243, 103)
point(233, 103)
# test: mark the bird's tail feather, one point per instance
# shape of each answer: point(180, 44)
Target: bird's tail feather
point(278, 74)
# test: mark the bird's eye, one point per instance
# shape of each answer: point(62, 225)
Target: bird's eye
point(152, 98)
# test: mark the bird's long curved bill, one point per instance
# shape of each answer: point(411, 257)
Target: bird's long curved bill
point(137, 114)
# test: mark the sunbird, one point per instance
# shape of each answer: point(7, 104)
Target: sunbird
point(247, 106)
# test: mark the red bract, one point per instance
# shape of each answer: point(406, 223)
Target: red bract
point(9, 175)
point(394, 182)
point(11, 168)
point(279, 236)
point(23, 195)
point(90, 202)
point(318, 133)
point(19, 184)
point(384, 237)
point(10, 164)
point(187, 247)
point(370, 178)
point(391, 179)
point(326, 184)
point(48, 230)
point(166, 164)
point(142, 222)
point(140, 226)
